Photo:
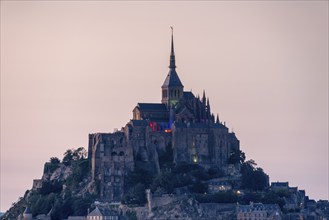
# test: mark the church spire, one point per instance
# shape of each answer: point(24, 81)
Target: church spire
point(172, 53)
point(172, 88)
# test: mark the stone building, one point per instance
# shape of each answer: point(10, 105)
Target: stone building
point(258, 211)
point(102, 214)
point(182, 123)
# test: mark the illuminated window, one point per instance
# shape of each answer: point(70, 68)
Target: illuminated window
point(195, 158)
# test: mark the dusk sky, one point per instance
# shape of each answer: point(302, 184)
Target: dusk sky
point(73, 68)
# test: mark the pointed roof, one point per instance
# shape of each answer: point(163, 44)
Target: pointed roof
point(172, 78)
point(95, 212)
point(98, 211)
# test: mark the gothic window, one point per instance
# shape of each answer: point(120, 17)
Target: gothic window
point(178, 93)
point(175, 93)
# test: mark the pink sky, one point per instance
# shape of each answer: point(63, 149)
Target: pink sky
point(73, 68)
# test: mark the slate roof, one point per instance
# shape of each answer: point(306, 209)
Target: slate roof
point(152, 107)
point(258, 207)
point(280, 184)
point(188, 95)
point(172, 79)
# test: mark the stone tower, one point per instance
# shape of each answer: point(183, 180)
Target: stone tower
point(172, 88)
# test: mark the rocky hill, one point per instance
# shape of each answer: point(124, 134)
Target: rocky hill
point(185, 191)
point(65, 189)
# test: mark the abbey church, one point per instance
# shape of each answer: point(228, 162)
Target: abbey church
point(181, 124)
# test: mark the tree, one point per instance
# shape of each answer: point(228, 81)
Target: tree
point(79, 154)
point(74, 155)
point(135, 195)
point(54, 160)
point(253, 178)
point(54, 164)
point(273, 198)
point(199, 187)
point(163, 181)
point(68, 157)
point(236, 156)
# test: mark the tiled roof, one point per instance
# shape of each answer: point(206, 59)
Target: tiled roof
point(172, 79)
point(152, 106)
point(188, 95)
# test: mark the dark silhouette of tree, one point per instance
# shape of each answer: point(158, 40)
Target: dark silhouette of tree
point(236, 156)
point(253, 178)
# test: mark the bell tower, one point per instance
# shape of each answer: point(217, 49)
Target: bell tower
point(172, 88)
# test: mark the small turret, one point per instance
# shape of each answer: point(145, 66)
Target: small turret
point(208, 109)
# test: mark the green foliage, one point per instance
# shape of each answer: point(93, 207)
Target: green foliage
point(273, 198)
point(41, 203)
point(131, 215)
point(51, 196)
point(135, 195)
point(16, 209)
point(220, 197)
point(253, 178)
point(199, 187)
point(54, 160)
point(62, 206)
point(54, 164)
point(194, 170)
point(250, 197)
point(80, 169)
point(215, 172)
point(135, 185)
point(236, 156)
point(50, 187)
point(74, 155)
point(163, 182)
point(139, 176)
point(283, 193)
